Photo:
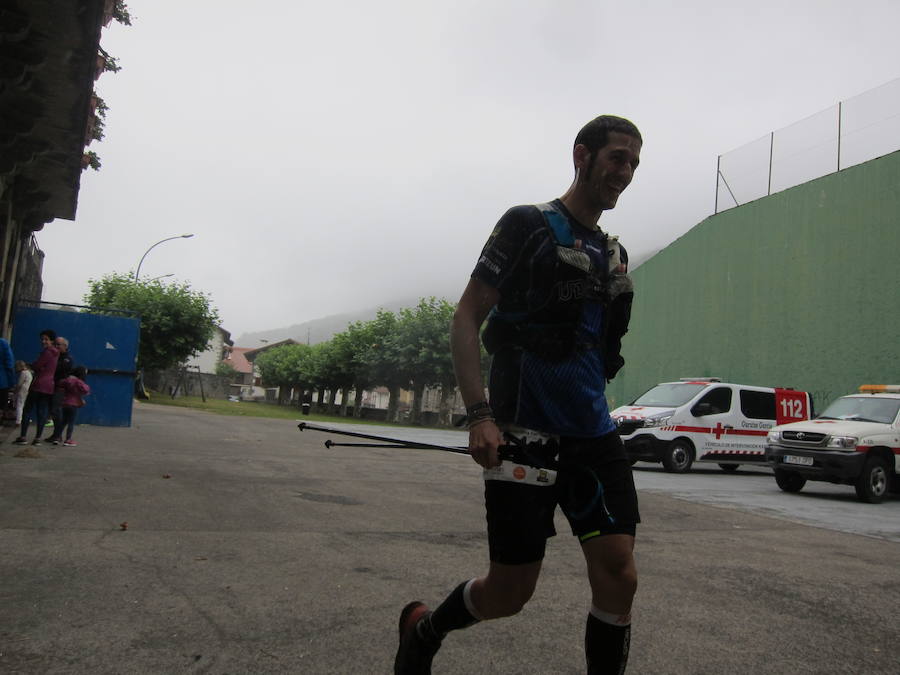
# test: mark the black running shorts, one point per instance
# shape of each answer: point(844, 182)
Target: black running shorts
point(594, 488)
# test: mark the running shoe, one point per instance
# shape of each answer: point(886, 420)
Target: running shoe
point(37, 441)
point(55, 441)
point(415, 652)
point(21, 440)
point(70, 444)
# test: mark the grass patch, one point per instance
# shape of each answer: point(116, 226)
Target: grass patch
point(253, 409)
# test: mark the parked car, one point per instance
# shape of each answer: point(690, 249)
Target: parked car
point(855, 441)
point(703, 419)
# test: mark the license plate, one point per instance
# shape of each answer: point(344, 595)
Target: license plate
point(794, 459)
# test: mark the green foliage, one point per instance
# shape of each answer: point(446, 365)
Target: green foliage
point(100, 111)
point(176, 321)
point(226, 370)
point(110, 63)
point(409, 350)
point(286, 365)
point(337, 362)
point(423, 342)
point(92, 159)
point(120, 13)
point(380, 353)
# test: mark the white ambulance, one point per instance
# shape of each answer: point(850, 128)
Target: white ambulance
point(706, 420)
point(855, 441)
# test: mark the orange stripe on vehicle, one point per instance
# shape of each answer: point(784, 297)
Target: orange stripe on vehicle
point(866, 448)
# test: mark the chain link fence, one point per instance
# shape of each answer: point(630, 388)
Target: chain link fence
point(849, 133)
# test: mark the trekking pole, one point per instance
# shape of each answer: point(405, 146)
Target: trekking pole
point(397, 442)
point(537, 471)
point(409, 446)
point(514, 452)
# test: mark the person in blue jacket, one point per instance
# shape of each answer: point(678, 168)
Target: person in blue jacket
point(7, 374)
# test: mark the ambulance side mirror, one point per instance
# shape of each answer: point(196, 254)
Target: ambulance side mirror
point(702, 409)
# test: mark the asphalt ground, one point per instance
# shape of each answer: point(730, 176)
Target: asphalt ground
point(196, 543)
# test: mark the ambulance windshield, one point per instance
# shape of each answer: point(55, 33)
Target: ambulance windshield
point(863, 409)
point(670, 395)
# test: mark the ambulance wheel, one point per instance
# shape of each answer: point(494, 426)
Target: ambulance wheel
point(789, 481)
point(679, 456)
point(872, 484)
point(729, 468)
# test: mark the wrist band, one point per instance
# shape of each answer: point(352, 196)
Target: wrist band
point(480, 409)
point(479, 420)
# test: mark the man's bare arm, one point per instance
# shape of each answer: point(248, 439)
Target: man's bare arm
point(474, 305)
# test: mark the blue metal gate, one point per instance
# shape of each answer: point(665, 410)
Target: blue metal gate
point(105, 345)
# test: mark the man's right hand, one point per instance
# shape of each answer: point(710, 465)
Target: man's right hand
point(484, 439)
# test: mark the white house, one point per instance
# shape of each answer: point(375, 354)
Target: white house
point(215, 352)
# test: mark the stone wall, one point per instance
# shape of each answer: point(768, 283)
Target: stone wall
point(165, 382)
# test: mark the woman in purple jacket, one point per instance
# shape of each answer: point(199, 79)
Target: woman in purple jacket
point(37, 404)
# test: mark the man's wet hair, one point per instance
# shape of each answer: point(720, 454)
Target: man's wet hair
point(49, 333)
point(595, 134)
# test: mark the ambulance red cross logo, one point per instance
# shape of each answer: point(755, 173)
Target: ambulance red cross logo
point(719, 430)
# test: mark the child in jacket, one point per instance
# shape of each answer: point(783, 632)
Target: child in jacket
point(74, 390)
point(23, 384)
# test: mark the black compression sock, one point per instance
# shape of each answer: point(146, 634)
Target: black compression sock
point(452, 614)
point(606, 645)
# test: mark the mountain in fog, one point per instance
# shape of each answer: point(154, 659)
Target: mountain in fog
point(319, 330)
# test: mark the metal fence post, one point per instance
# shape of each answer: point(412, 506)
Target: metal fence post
point(771, 146)
point(718, 171)
point(840, 104)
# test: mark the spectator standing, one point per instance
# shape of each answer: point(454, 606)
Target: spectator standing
point(73, 389)
point(22, 387)
point(37, 404)
point(64, 367)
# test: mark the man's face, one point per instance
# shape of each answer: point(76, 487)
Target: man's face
point(610, 170)
point(61, 345)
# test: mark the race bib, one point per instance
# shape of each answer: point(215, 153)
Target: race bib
point(521, 473)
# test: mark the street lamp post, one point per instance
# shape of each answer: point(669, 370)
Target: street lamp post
point(178, 236)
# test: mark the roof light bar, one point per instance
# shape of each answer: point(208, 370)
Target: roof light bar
point(880, 389)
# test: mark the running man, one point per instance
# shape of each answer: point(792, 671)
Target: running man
point(557, 298)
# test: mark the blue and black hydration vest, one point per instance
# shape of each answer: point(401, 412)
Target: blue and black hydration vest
point(547, 322)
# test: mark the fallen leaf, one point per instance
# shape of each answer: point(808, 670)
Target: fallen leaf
point(167, 475)
point(124, 525)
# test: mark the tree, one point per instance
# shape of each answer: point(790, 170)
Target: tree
point(226, 370)
point(119, 11)
point(423, 347)
point(383, 358)
point(287, 367)
point(357, 344)
point(176, 321)
point(332, 369)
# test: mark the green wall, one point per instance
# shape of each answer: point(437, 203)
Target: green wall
point(800, 289)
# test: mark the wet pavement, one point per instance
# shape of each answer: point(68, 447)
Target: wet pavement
point(205, 544)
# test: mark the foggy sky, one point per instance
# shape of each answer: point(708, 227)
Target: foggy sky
point(333, 156)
